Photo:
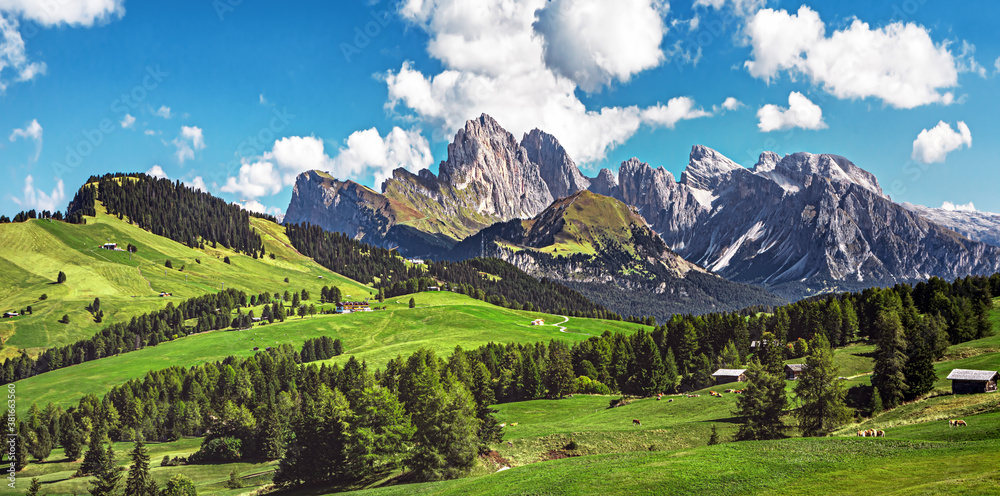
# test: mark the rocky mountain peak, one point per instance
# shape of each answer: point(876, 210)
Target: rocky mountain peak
point(767, 162)
point(557, 169)
point(605, 183)
point(707, 168)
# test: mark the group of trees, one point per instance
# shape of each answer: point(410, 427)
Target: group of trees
point(326, 424)
point(31, 214)
point(169, 209)
point(321, 348)
point(211, 310)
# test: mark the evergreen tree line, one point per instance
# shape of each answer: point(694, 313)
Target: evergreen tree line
point(211, 310)
point(169, 209)
point(321, 348)
point(329, 424)
point(23, 216)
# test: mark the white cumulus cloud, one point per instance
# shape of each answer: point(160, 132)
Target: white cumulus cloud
point(71, 12)
point(958, 207)
point(157, 171)
point(12, 56)
point(190, 140)
point(801, 112)
point(899, 63)
point(540, 54)
point(197, 184)
point(128, 121)
point(594, 43)
point(732, 103)
point(260, 208)
point(676, 110)
point(996, 64)
point(933, 145)
point(364, 152)
point(37, 199)
point(742, 8)
point(32, 131)
point(163, 111)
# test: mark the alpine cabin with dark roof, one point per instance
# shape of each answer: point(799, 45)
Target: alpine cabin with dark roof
point(965, 381)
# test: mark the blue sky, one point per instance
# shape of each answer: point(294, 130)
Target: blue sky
point(237, 97)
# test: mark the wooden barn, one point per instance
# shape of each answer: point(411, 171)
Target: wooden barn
point(725, 376)
point(793, 370)
point(965, 381)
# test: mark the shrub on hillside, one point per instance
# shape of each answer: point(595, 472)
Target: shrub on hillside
point(219, 450)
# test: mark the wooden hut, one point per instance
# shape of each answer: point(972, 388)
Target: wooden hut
point(793, 370)
point(965, 381)
point(724, 376)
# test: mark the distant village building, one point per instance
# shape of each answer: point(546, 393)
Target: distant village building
point(724, 376)
point(758, 344)
point(793, 370)
point(965, 381)
point(110, 246)
point(8, 315)
point(255, 319)
point(416, 261)
point(353, 306)
point(433, 288)
point(165, 294)
point(538, 322)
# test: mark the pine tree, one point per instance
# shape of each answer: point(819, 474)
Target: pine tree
point(179, 485)
point(413, 303)
point(35, 488)
point(761, 405)
point(890, 358)
point(94, 458)
point(919, 369)
point(72, 439)
point(61, 278)
point(821, 393)
point(646, 377)
point(21, 448)
point(876, 402)
point(558, 370)
point(670, 378)
point(42, 447)
point(139, 482)
point(107, 476)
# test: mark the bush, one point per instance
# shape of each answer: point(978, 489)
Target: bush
point(572, 445)
point(286, 279)
point(61, 278)
point(169, 264)
point(218, 450)
point(64, 319)
point(413, 303)
point(586, 385)
point(180, 485)
point(43, 297)
point(227, 260)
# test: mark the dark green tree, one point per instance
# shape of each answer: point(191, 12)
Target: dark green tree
point(446, 439)
point(646, 375)
point(761, 405)
point(35, 488)
point(72, 439)
point(42, 447)
point(558, 370)
point(21, 448)
point(179, 485)
point(821, 393)
point(94, 458)
point(413, 303)
point(139, 482)
point(714, 438)
point(61, 278)
point(107, 476)
point(890, 358)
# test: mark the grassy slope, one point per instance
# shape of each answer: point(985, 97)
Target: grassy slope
point(36, 251)
point(56, 474)
point(440, 321)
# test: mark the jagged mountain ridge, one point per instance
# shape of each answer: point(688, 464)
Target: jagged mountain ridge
point(973, 224)
point(488, 177)
point(604, 248)
point(800, 224)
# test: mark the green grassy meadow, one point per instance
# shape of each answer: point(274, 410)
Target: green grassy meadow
point(440, 321)
point(35, 252)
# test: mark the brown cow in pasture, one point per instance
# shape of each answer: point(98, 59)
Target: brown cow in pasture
point(956, 423)
point(636, 422)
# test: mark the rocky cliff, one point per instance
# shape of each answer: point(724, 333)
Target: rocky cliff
point(799, 224)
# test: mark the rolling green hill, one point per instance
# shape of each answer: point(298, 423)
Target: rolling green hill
point(38, 250)
point(440, 321)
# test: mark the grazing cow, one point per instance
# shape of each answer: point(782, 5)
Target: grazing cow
point(503, 425)
point(861, 434)
point(879, 433)
point(510, 443)
point(671, 400)
point(956, 423)
point(636, 422)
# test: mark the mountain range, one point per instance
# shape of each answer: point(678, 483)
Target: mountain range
point(797, 225)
